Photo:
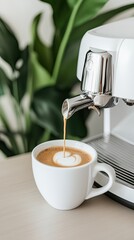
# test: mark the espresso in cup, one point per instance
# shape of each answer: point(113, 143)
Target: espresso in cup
point(55, 156)
point(67, 187)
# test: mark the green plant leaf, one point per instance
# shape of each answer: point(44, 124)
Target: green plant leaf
point(11, 53)
point(76, 125)
point(8, 133)
point(67, 74)
point(9, 47)
point(5, 149)
point(61, 13)
point(64, 42)
point(40, 76)
point(44, 53)
point(87, 10)
point(72, 3)
point(23, 73)
point(102, 18)
point(46, 107)
point(33, 137)
point(4, 83)
point(61, 16)
point(13, 130)
point(18, 85)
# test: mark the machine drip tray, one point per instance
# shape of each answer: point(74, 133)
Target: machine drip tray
point(119, 154)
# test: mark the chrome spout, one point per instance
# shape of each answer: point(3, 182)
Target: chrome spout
point(72, 105)
point(96, 85)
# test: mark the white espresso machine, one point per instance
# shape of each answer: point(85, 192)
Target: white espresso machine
point(106, 71)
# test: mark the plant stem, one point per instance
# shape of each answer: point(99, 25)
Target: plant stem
point(65, 41)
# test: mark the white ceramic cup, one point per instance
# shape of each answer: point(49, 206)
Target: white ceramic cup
point(67, 188)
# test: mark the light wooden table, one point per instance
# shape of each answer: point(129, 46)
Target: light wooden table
point(24, 214)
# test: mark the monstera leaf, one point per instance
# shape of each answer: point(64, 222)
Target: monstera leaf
point(9, 48)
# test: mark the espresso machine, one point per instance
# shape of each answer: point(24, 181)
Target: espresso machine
point(106, 71)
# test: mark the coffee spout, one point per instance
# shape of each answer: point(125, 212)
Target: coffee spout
point(72, 105)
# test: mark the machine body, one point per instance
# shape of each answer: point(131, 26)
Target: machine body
point(106, 71)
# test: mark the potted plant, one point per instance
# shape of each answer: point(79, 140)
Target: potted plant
point(39, 77)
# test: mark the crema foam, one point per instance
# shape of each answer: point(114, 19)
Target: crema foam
point(67, 159)
point(54, 156)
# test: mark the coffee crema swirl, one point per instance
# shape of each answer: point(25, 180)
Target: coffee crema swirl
point(54, 156)
point(67, 159)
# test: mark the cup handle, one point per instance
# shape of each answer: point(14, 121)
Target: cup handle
point(111, 174)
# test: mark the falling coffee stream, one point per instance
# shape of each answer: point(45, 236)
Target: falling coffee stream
point(64, 134)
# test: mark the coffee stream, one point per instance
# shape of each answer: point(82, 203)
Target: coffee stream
point(64, 134)
point(65, 158)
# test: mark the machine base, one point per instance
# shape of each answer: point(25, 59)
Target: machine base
point(119, 154)
point(118, 199)
point(121, 200)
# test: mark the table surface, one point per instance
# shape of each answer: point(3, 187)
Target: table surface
point(25, 215)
